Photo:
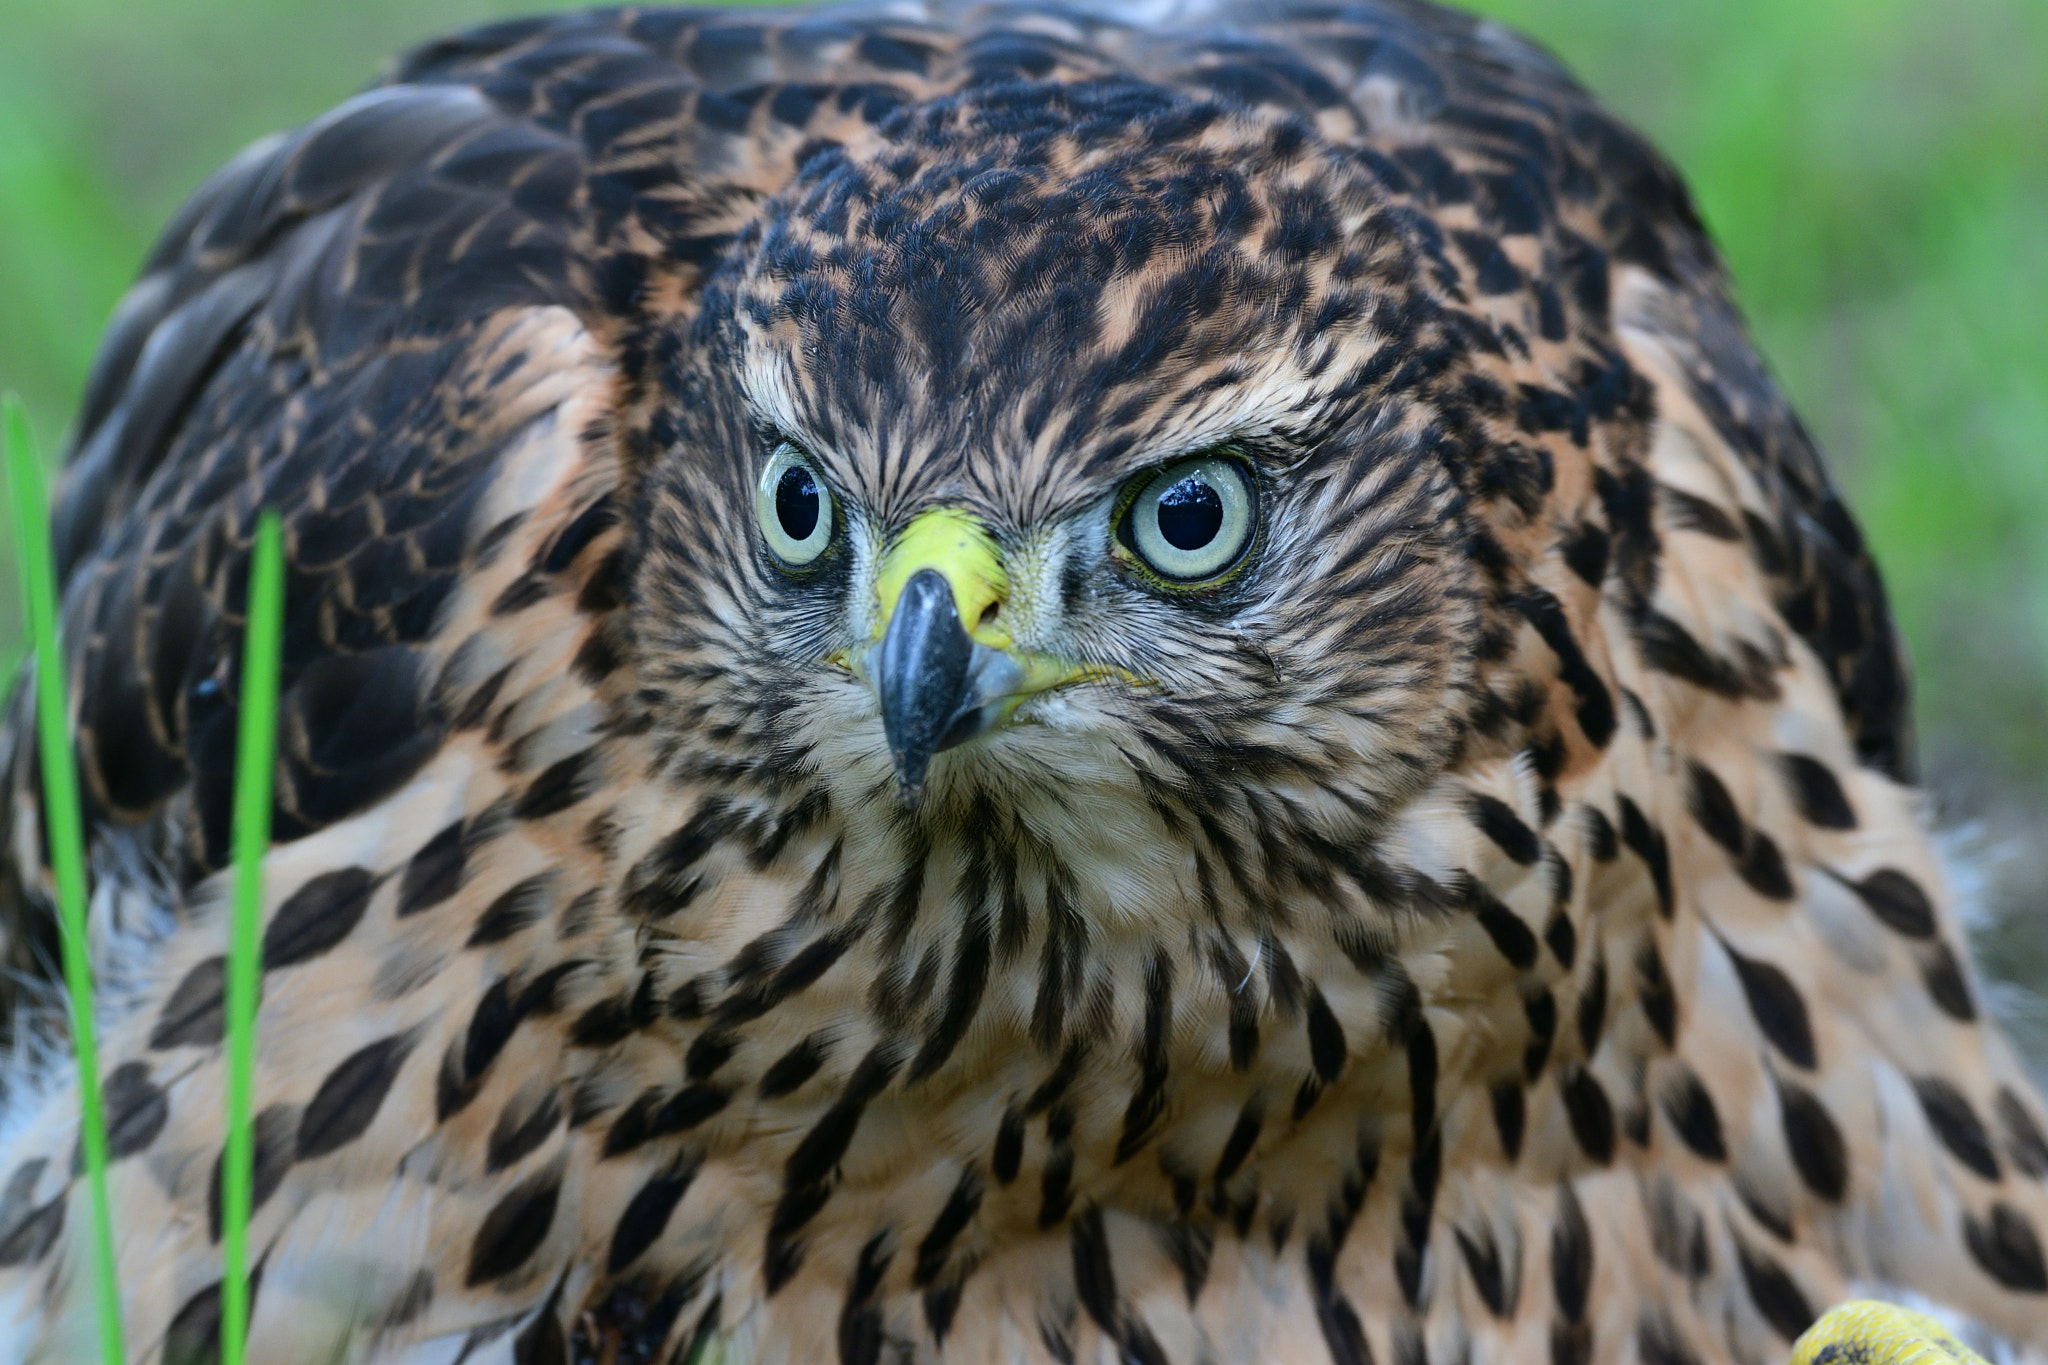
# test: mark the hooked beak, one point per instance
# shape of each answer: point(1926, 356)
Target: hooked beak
point(943, 667)
point(937, 687)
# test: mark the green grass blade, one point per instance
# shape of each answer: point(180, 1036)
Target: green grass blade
point(66, 832)
point(255, 757)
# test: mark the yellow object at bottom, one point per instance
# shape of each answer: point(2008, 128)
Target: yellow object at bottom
point(1865, 1332)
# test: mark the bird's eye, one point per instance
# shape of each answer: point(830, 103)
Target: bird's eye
point(794, 507)
point(1191, 520)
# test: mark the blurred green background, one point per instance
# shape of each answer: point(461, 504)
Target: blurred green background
point(1876, 172)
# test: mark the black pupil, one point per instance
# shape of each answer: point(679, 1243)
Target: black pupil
point(1190, 513)
point(796, 503)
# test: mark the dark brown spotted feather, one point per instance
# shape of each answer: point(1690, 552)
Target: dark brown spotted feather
point(1489, 925)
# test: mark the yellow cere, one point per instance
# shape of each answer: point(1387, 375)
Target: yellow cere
point(1865, 1332)
point(965, 554)
point(960, 547)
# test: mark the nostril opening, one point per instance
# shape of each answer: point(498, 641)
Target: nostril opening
point(988, 615)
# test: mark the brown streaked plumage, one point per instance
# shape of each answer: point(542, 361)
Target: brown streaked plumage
point(1487, 915)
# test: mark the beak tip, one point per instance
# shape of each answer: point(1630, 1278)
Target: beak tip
point(910, 777)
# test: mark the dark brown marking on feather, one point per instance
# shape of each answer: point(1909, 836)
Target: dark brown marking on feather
point(1571, 1343)
point(1343, 1332)
point(1510, 934)
point(1689, 1107)
point(647, 1214)
point(1341, 1328)
point(795, 1066)
point(1060, 965)
point(860, 1321)
point(1008, 1156)
point(522, 905)
point(612, 1019)
point(1056, 1178)
point(1669, 647)
point(275, 1134)
point(1763, 868)
point(317, 916)
point(1418, 1208)
point(1148, 1102)
point(1571, 1257)
point(665, 880)
point(1596, 704)
point(1771, 1218)
point(940, 1303)
point(1591, 1113)
point(1655, 993)
point(192, 1016)
point(1233, 974)
point(514, 1228)
point(1562, 939)
point(560, 785)
point(435, 872)
point(411, 1302)
point(476, 707)
point(1539, 1007)
point(1095, 1271)
point(347, 1101)
point(1713, 807)
point(1898, 902)
point(1658, 1342)
point(1190, 1247)
point(1818, 1152)
point(1585, 552)
point(1690, 512)
point(1646, 841)
point(135, 1110)
point(498, 1013)
point(1954, 1120)
point(521, 593)
point(1510, 1116)
point(520, 1130)
point(710, 1051)
point(605, 589)
point(193, 1338)
point(630, 1129)
point(575, 537)
point(688, 1108)
point(807, 1173)
point(1244, 1135)
point(1283, 978)
point(959, 1210)
point(1816, 792)
point(1943, 975)
point(1592, 1012)
point(1409, 1023)
point(28, 1239)
point(2007, 1248)
point(1489, 1276)
point(971, 960)
point(1601, 840)
point(1777, 1007)
point(541, 1341)
point(1498, 821)
point(1777, 1296)
point(2024, 1141)
point(1756, 856)
point(1678, 1234)
point(1326, 1046)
